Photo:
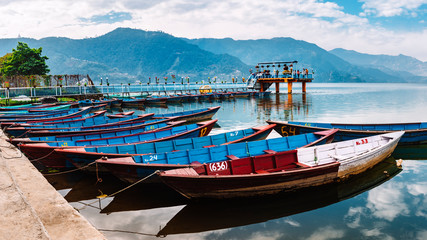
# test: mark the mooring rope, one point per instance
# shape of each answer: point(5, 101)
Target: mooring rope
point(41, 158)
point(104, 196)
point(131, 232)
point(73, 170)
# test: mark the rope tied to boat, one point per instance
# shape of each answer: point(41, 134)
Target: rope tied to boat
point(104, 196)
point(69, 171)
point(41, 158)
point(24, 133)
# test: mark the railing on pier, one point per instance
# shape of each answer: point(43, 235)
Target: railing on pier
point(116, 89)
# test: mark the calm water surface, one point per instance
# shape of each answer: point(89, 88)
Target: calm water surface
point(383, 203)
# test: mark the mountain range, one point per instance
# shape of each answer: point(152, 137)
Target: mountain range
point(126, 55)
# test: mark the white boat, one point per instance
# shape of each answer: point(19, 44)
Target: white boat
point(355, 155)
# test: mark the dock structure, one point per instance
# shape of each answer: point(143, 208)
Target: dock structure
point(31, 208)
point(280, 72)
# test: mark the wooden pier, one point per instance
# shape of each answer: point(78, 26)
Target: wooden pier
point(290, 81)
point(264, 77)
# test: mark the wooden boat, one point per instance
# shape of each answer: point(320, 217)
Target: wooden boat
point(68, 114)
point(83, 118)
point(158, 142)
point(174, 99)
point(97, 102)
point(11, 115)
point(29, 107)
point(133, 168)
point(119, 126)
point(415, 133)
point(191, 115)
point(45, 154)
point(36, 109)
point(281, 171)
point(242, 94)
point(121, 115)
point(155, 100)
point(100, 122)
point(133, 102)
point(57, 158)
point(111, 133)
point(116, 102)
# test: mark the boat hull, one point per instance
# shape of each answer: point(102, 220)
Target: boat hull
point(251, 185)
point(414, 136)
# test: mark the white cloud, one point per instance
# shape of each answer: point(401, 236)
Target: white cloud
point(327, 233)
point(353, 217)
point(390, 8)
point(323, 23)
point(387, 202)
point(291, 222)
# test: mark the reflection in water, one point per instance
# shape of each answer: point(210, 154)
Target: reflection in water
point(396, 209)
point(212, 215)
point(411, 152)
point(159, 196)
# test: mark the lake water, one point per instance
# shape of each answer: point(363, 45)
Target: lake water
point(384, 203)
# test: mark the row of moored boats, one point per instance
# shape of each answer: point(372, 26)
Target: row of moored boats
point(176, 148)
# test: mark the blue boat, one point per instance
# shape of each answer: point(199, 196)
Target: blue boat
point(133, 168)
point(45, 154)
point(89, 123)
point(191, 115)
point(120, 126)
point(133, 102)
point(62, 114)
point(415, 133)
point(159, 143)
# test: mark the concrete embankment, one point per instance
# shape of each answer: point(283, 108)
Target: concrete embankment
point(30, 208)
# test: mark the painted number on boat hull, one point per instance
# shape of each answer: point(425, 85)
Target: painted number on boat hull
point(218, 166)
point(203, 132)
point(289, 131)
point(363, 141)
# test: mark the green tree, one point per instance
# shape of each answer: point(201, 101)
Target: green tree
point(3, 59)
point(25, 61)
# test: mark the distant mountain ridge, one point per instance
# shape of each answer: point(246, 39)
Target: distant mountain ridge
point(126, 55)
point(395, 63)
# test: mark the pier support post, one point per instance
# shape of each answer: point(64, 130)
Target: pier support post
point(289, 87)
point(304, 87)
point(277, 87)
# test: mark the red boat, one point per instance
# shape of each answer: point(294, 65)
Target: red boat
point(134, 168)
point(248, 177)
point(46, 155)
point(275, 172)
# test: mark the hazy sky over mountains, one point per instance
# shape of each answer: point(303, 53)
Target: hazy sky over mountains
point(368, 26)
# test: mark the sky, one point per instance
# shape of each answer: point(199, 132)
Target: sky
point(389, 27)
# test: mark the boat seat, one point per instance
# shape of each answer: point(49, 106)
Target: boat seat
point(337, 157)
point(302, 165)
point(232, 157)
point(268, 151)
point(209, 146)
point(261, 171)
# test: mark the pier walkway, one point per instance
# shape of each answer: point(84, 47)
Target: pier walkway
point(119, 89)
point(30, 207)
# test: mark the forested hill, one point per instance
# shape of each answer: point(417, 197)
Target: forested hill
point(126, 55)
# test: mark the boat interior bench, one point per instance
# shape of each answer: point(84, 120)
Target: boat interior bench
point(267, 163)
